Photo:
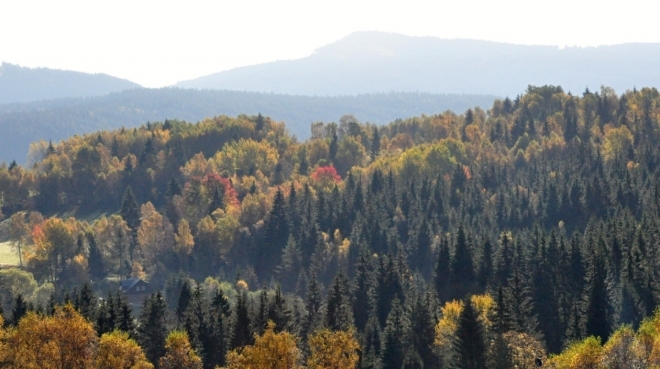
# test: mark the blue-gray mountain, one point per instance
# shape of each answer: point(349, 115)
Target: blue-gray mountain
point(368, 62)
point(20, 84)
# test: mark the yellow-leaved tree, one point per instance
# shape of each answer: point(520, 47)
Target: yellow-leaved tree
point(118, 351)
point(179, 354)
point(65, 340)
point(333, 350)
point(270, 351)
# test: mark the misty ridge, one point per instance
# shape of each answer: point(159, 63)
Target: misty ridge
point(376, 76)
point(368, 62)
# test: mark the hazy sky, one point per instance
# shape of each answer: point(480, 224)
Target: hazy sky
point(158, 43)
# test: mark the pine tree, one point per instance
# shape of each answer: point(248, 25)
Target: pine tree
point(372, 344)
point(389, 288)
point(375, 144)
point(486, 268)
point(185, 296)
point(195, 322)
point(241, 334)
point(125, 322)
point(500, 354)
point(131, 214)
point(462, 267)
point(598, 321)
point(313, 320)
point(470, 345)
point(96, 265)
point(339, 314)
point(276, 235)
point(422, 330)
point(394, 344)
point(152, 328)
point(279, 312)
point(442, 273)
point(19, 310)
point(362, 285)
point(86, 302)
point(217, 348)
point(520, 305)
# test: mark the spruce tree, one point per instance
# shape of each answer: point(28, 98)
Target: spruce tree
point(130, 212)
point(241, 333)
point(500, 354)
point(276, 235)
point(19, 310)
point(470, 345)
point(362, 285)
point(313, 301)
point(152, 328)
point(125, 322)
point(422, 330)
point(86, 302)
point(96, 265)
point(185, 296)
point(394, 344)
point(339, 314)
point(279, 312)
point(462, 267)
point(441, 277)
point(598, 320)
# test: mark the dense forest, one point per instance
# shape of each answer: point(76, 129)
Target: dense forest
point(58, 119)
point(523, 235)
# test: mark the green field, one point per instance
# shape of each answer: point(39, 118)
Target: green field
point(7, 255)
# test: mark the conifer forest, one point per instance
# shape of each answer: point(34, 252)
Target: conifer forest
point(522, 236)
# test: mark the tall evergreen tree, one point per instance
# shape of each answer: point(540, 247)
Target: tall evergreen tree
point(441, 277)
point(185, 296)
point(394, 344)
point(362, 285)
point(19, 310)
point(152, 327)
point(598, 320)
point(339, 312)
point(95, 262)
point(241, 333)
point(470, 345)
point(276, 235)
point(462, 267)
point(422, 330)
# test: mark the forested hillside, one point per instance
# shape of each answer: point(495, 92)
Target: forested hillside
point(55, 120)
point(486, 239)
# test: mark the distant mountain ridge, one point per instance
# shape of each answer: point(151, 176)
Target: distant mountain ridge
point(368, 62)
point(55, 120)
point(21, 84)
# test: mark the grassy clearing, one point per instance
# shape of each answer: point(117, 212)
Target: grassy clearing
point(7, 255)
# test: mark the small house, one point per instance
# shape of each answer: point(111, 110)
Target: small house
point(136, 290)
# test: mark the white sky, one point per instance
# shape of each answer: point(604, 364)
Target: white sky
point(158, 43)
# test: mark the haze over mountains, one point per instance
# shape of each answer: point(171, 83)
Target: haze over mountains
point(428, 75)
point(367, 62)
point(19, 84)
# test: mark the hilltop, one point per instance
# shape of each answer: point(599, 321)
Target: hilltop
point(367, 62)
